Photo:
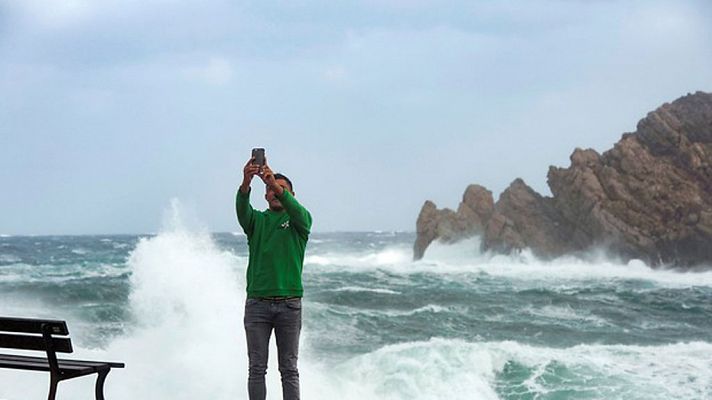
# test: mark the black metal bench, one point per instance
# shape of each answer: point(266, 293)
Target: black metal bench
point(41, 338)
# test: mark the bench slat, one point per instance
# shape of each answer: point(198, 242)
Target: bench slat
point(26, 366)
point(38, 366)
point(44, 366)
point(74, 368)
point(27, 325)
point(14, 357)
point(27, 342)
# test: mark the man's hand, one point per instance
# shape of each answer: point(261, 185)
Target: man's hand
point(248, 173)
point(267, 177)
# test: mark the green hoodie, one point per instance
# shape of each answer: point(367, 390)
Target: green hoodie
point(277, 240)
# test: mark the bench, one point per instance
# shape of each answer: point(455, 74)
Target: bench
point(42, 338)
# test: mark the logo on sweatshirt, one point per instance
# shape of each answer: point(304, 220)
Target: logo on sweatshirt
point(285, 225)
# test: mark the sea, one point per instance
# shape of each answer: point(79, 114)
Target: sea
point(458, 324)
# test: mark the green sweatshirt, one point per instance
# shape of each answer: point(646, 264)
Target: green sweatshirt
point(277, 241)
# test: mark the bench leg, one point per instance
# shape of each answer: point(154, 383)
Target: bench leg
point(52, 388)
point(100, 384)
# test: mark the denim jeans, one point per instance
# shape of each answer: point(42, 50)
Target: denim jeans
point(285, 317)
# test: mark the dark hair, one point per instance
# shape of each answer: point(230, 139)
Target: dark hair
point(280, 176)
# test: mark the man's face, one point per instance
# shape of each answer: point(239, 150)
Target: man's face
point(271, 197)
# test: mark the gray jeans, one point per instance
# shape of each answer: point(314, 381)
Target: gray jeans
point(285, 317)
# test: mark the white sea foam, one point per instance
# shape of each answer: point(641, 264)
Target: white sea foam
point(454, 369)
point(384, 312)
point(464, 257)
point(104, 271)
point(27, 273)
point(437, 369)
point(363, 289)
point(430, 308)
point(9, 258)
point(392, 257)
point(18, 272)
point(565, 314)
point(680, 371)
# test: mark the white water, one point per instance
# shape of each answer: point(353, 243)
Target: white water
point(49, 273)
point(465, 258)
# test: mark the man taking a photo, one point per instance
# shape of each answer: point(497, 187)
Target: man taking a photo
point(277, 239)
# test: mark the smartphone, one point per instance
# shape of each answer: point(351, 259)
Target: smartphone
point(259, 155)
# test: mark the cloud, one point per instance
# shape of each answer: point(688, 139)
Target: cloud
point(57, 14)
point(217, 71)
point(335, 74)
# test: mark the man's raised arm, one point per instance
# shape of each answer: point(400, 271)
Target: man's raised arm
point(245, 212)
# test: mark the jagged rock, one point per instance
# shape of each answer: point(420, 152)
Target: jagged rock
point(649, 197)
point(426, 228)
point(525, 219)
point(449, 226)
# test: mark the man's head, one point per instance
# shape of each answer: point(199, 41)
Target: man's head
point(271, 197)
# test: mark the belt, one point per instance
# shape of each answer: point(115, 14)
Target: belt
point(278, 298)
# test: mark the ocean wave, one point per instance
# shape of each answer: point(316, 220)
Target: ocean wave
point(363, 289)
point(447, 368)
point(430, 308)
point(565, 314)
point(383, 312)
point(8, 259)
point(465, 258)
point(320, 241)
point(49, 273)
point(387, 257)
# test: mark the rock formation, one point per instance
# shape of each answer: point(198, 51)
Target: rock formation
point(449, 226)
point(649, 197)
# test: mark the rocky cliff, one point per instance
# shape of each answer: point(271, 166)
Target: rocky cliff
point(649, 197)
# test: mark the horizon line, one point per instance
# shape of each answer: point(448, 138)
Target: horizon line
point(8, 235)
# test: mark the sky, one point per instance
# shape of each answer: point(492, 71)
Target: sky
point(113, 111)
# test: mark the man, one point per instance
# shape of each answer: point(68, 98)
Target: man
point(277, 238)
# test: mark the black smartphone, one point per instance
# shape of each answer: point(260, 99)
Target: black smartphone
point(259, 156)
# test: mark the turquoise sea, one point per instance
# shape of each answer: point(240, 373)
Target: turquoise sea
point(456, 325)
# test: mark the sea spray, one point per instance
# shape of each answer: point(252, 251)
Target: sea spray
point(186, 301)
point(187, 298)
